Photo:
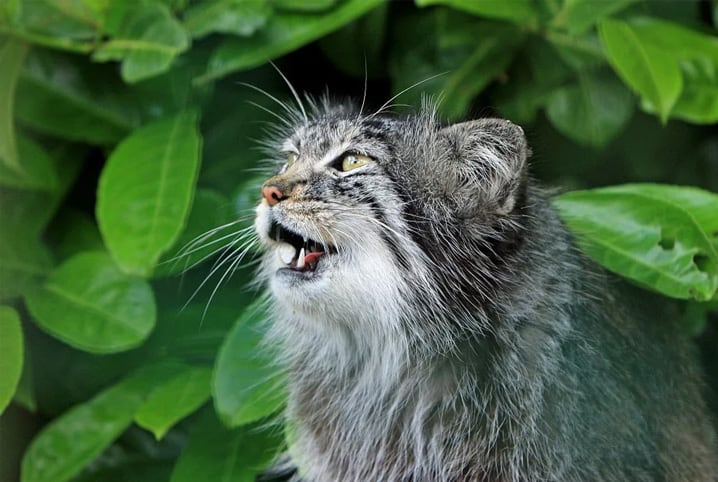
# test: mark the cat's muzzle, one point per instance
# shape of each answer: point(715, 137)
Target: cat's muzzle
point(299, 253)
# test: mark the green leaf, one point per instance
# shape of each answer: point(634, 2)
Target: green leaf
point(25, 392)
point(30, 211)
point(147, 42)
point(359, 48)
point(646, 68)
point(76, 438)
point(592, 111)
point(304, 5)
point(471, 53)
point(174, 399)
point(580, 15)
point(697, 56)
point(24, 259)
point(38, 169)
point(63, 96)
point(698, 102)
point(663, 237)
point(283, 33)
point(11, 361)
point(237, 17)
point(536, 72)
point(214, 452)
point(91, 305)
point(12, 54)
point(247, 384)
point(680, 42)
point(75, 19)
point(520, 11)
point(206, 234)
point(145, 191)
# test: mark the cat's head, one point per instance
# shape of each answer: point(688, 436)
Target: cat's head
point(369, 215)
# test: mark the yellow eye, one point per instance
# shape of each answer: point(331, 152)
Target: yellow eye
point(354, 161)
point(292, 158)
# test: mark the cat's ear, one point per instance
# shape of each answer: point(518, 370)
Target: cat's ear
point(486, 163)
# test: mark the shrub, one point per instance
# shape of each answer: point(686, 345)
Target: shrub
point(128, 333)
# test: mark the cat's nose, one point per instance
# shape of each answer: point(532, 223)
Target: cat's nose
point(272, 194)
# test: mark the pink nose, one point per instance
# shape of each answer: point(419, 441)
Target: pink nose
point(272, 194)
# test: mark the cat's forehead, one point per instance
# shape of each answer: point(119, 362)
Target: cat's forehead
point(325, 133)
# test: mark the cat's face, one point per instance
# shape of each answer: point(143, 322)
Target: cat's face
point(368, 213)
point(331, 219)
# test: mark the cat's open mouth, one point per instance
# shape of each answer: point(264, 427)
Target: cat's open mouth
point(300, 254)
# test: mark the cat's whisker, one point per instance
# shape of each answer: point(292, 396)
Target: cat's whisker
point(230, 269)
point(253, 241)
point(416, 84)
point(366, 83)
point(222, 260)
point(294, 92)
point(206, 234)
point(291, 112)
point(185, 253)
point(281, 119)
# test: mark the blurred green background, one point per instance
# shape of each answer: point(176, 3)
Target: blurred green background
point(129, 331)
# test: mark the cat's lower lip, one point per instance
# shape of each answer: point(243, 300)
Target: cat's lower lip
point(298, 275)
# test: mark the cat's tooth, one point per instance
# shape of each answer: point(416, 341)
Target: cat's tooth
point(286, 253)
point(300, 259)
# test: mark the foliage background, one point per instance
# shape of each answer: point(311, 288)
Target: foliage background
point(127, 131)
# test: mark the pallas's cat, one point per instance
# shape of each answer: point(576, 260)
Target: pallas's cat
point(438, 323)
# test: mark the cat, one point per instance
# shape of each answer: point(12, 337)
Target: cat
point(438, 323)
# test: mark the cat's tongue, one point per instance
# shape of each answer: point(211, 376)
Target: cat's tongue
point(307, 261)
point(312, 257)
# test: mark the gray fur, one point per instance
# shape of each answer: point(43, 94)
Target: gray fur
point(458, 334)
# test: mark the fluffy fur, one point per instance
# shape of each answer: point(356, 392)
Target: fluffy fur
point(457, 334)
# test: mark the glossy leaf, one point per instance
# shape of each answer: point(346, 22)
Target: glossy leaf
point(38, 169)
point(646, 68)
point(215, 452)
point(11, 361)
point(520, 11)
point(25, 391)
point(238, 17)
point(580, 15)
point(592, 111)
point(76, 19)
point(697, 56)
point(31, 211)
point(90, 304)
point(147, 42)
point(65, 97)
point(284, 32)
point(145, 191)
point(247, 384)
point(77, 437)
point(660, 236)
point(698, 102)
point(12, 54)
point(680, 42)
point(24, 259)
point(174, 399)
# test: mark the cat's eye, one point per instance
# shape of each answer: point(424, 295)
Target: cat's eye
point(354, 161)
point(292, 158)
